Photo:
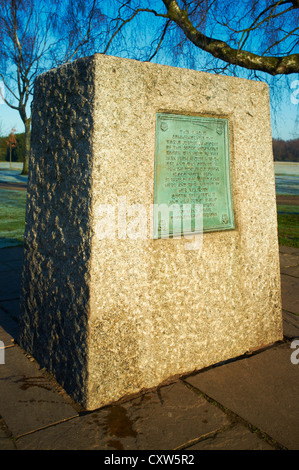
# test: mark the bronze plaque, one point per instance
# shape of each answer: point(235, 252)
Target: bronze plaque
point(192, 171)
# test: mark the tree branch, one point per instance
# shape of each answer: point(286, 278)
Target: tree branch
point(221, 50)
point(10, 91)
point(124, 22)
point(161, 40)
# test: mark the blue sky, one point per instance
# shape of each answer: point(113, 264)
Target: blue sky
point(284, 99)
point(284, 115)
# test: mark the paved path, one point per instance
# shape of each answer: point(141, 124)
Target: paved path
point(287, 200)
point(13, 186)
point(12, 178)
point(250, 403)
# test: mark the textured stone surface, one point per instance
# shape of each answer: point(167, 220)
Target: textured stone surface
point(112, 316)
point(57, 234)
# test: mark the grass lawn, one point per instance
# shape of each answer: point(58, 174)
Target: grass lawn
point(12, 217)
point(288, 225)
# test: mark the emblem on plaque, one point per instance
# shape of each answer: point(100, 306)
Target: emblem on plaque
point(219, 128)
point(164, 126)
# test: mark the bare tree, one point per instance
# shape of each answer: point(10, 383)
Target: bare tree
point(259, 36)
point(256, 39)
point(36, 35)
point(269, 27)
point(12, 143)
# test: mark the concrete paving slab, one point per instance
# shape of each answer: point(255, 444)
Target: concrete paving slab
point(289, 264)
point(287, 260)
point(15, 264)
point(6, 338)
point(290, 325)
point(28, 400)
point(11, 307)
point(239, 437)
point(160, 420)
point(291, 271)
point(289, 250)
point(10, 285)
point(11, 254)
point(262, 389)
point(8, 328)
point(290, 293)
point(4, 266)
point(6, 443)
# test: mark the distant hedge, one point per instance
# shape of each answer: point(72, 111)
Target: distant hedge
point(286, 150)
point(17, 153)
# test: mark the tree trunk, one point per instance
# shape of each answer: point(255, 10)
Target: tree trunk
point(27, 146)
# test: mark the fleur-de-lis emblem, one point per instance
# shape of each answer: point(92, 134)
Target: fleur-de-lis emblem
point(219, 128)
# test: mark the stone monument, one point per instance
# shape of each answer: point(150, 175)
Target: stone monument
point(116, 296)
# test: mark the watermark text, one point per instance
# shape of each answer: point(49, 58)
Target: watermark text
point(295, 354)
point(150, 221)
point(2, 353)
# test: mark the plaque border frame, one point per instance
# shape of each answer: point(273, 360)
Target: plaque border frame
point(227, 173)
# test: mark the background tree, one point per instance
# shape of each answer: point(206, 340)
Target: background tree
point(253, 38)
point(259, 35)
point(36, 35)
point(286, 151)
point(11, 143)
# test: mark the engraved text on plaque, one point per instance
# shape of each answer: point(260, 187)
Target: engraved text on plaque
point(192, 167)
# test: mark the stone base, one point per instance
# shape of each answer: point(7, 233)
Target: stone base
point(112, 315)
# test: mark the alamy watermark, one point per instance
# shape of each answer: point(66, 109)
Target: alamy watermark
point(295, 94)
point(2, 353)
point(150, 221)
point(295, 354)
